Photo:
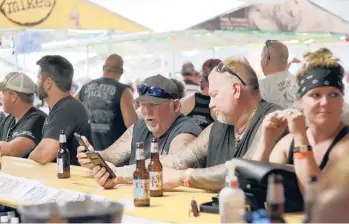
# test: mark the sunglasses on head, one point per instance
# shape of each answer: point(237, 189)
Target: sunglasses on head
point(222, 68)
point(267, 43)
point(153, 91)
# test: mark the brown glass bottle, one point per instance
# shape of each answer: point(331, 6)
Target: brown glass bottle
point(310, 196)
point(275, 199)
point(155, 170)
point(63, 157)
point(141, 194)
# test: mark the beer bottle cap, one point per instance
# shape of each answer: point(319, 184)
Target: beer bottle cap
point(139, 145)
point(62, 132)
point(275, 179)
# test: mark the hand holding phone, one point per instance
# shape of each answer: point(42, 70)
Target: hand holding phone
point(97, 160)
point(81, 141)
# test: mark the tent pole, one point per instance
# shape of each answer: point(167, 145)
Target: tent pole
point(109, 42)
point(162, 65)
point(173, 75)
point(86, 64)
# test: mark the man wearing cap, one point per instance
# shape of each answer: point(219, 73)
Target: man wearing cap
point(21, 130)
point(109, 104)
point(162, 119)
point(55, 79)
point(189, 77)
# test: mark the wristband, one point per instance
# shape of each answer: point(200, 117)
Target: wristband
point(303, 155)
point(186, 177)
point(302, 148)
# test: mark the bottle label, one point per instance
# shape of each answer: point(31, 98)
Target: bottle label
point(60, 165)
point(140, 154)
point(154, 148)
point(141, 189)
point(155, 180)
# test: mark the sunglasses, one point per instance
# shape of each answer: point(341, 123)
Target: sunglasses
point(267, 43)
point(222, 68)
point(153, 91)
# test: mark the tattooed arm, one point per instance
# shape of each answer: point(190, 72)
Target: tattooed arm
point(179, 142)
point(120, 151)
point(210, 179)
point(191, 154)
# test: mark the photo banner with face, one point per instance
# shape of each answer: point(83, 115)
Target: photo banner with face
point(288, 16)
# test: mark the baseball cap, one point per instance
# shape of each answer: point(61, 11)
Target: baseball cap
point(162, 82)
point(19, 82)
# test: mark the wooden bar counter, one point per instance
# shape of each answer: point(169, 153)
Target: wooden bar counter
point(173, 207)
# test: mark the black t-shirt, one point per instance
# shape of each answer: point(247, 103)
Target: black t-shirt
point(68, 114)
point(142, 134)
point(201, 113)
point(221, 145)
point(101, 98)
point(29, 126)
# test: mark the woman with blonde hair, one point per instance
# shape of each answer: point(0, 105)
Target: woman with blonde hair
point(318, 136)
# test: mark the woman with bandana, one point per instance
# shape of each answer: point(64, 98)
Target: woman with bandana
point(317, 136)
point(196, 106)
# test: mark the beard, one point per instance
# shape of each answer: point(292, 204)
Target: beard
point(42, 94)
point(222, 118)
point(153, 129)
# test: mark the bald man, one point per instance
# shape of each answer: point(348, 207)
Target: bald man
point(279, 85)
point(109, 104)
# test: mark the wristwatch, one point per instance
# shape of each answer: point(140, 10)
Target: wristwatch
point(302, 148)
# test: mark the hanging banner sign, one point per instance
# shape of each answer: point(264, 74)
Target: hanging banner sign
point(62, 14)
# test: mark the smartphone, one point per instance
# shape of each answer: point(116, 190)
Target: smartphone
point(81, 142)
point(97, 160)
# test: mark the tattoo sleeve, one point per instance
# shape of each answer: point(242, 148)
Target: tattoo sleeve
point(191, 154)
point(210, 179)
point(119, 153)
point(179, 143)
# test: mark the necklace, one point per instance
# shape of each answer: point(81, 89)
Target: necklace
point(238, 136)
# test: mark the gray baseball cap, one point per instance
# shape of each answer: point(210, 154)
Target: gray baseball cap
point(162, 82)
point(19, 82)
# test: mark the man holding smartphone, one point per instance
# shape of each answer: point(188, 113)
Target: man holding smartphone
point(160, 109)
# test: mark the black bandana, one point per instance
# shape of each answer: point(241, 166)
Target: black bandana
point(320, 77)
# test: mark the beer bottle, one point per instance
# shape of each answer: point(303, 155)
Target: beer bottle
point(275, 199)
point(155, 170)
point(63, 157)
point(309, 199)
point(141, 192)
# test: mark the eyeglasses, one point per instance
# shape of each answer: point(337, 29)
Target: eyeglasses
point(222, 68)
point(267, 43)
point(153, 91)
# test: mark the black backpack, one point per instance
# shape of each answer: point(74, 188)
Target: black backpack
point(253, 180)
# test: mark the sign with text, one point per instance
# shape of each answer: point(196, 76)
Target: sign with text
point(62, 14)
